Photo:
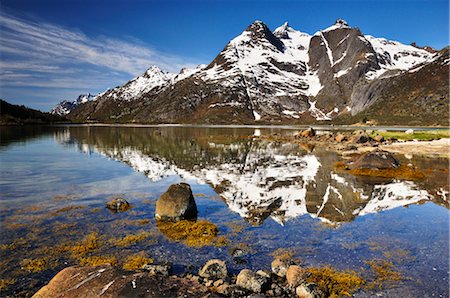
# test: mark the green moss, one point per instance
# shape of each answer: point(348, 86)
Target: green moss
point(417, 135)
point(335, 283)
point(137, 261)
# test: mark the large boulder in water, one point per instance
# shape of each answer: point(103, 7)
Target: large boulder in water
point(375, 160)
point(177, 203)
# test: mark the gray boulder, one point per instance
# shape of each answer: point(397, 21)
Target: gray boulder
point(254, 282)
point(214, 269)
point(177, 203)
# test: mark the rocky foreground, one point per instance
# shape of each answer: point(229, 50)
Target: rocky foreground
point(212, 280)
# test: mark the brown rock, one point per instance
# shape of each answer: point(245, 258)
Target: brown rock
point(360, 138)
point(176, 203)
point(308, 133)
point(118, 205)
point(106, 281)
point(340, 138)
point(375, 160)
point(295, 275)
point(378, 138)
point(280, 267)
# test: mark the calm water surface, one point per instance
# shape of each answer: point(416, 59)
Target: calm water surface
point(263, 196)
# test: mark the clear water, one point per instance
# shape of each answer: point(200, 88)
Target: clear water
point(261, 195)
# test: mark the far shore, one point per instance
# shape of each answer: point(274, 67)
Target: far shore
point(256, 126)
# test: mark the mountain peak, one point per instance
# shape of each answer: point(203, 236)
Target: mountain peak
point(339, 24)
point(282, 31)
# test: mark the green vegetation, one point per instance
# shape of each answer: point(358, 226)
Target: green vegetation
point(417, 135)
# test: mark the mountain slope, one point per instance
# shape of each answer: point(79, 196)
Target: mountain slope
point(284, 76)
point(66, 106)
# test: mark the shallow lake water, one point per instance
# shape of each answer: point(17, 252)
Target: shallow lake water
point(265, 198)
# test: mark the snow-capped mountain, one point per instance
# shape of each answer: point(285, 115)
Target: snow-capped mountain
point(66, 106)
point(271, 76)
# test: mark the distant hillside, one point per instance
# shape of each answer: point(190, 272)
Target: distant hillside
point(15, 114)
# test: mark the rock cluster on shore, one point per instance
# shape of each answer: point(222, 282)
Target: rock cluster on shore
point(212, 280)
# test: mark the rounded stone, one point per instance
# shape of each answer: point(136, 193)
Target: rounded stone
point(118, 205)
point(295, 275)
point(280, 267)
point(177, 203)
point(375, 160)
point(214, 269)
point(249, 280)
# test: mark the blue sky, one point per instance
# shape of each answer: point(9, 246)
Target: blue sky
point(54, 50)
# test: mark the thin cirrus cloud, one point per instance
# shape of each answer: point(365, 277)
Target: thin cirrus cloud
point(43, 55)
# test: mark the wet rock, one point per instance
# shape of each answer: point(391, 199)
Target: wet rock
point(177, 203)
point(375, 160)
point(214, 269)
point(295, 275)
point(340, 138)
point(107, 281)
point(280, 267)
point(308, 133)
point(309, 290)
point(251, 281)
point(153, 269)
point(118, 205)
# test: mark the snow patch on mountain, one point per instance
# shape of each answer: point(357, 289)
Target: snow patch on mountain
point(66, 106)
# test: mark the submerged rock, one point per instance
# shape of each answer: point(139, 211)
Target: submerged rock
point(177, 203)
point(254, 282)
point(118, 205)
point(375, 160)
point(214, 269)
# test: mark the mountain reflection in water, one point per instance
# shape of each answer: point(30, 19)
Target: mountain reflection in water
point(256, 178)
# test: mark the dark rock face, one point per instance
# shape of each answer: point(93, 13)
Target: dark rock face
point(375, 160)
point(177, 203)
point(106, 281)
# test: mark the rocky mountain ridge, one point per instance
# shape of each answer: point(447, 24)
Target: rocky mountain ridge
point(280, 76)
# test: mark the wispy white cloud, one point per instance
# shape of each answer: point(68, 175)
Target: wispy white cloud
point(42, 55)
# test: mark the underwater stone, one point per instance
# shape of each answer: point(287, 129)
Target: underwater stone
point(118, 205)
point(214, 269)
